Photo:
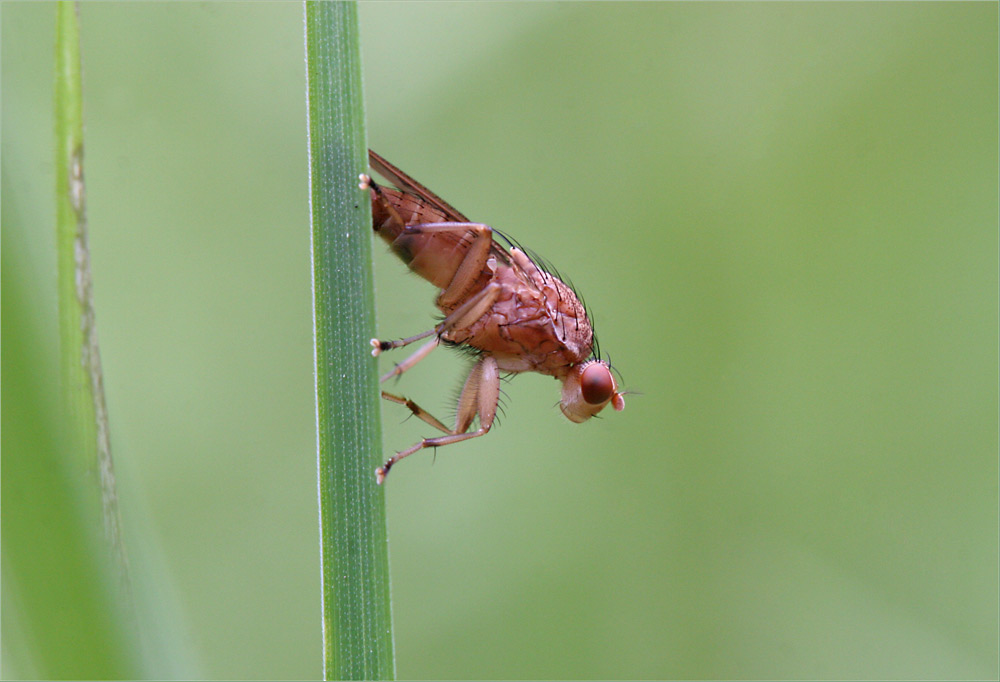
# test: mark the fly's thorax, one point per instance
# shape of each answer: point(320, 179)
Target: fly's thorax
point(570, 324)
point(587, 389)
point(569, 319)
point(516, 324)
point(523, 331)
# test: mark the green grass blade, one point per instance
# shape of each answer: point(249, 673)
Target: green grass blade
point(82, 379)
point(65, 606)
point(357, 627)
point(63, 612)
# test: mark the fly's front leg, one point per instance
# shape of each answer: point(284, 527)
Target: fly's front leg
point(480, 395)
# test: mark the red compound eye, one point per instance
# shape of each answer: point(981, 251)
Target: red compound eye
point(596, 384)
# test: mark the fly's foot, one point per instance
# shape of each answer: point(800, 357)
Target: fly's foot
point(382, 472)
point(365, 181)
point(379, 346)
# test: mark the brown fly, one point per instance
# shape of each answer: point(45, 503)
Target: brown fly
point(498, 303)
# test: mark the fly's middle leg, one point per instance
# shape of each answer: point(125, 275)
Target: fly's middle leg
point(409, 362)
point(460, 318)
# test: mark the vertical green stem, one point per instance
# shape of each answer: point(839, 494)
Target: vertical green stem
point(357, 627)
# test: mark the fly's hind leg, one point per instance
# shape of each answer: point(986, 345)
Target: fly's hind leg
point(480, 396)
point(473, 262)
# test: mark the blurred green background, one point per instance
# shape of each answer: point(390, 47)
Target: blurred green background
point(784, 218)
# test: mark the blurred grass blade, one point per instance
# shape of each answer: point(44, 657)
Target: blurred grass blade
point(65, 597)
point(81, 376)
point(357, 627)
point(63, 613)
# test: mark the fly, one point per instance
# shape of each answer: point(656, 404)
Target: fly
point(513, 315)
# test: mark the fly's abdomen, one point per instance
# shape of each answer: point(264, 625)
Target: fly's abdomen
point(434, 256)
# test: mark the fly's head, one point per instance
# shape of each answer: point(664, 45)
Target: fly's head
point(587, 389)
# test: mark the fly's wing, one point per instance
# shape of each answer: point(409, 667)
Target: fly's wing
point(408, 184)
point(411, 186)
